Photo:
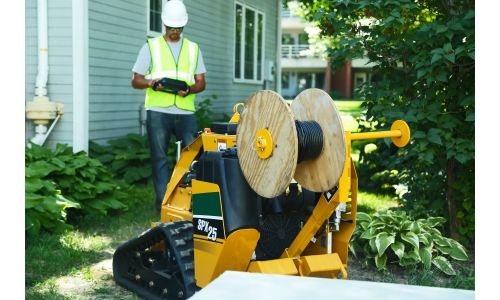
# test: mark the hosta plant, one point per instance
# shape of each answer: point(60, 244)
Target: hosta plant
point(58, 179)
point(127, 157)
point(391, 236)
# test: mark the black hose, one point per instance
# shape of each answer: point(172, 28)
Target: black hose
point(310, 138)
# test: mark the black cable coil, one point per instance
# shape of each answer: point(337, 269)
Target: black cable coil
point(310, 138)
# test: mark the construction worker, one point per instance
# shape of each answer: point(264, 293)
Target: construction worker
point(174, 56)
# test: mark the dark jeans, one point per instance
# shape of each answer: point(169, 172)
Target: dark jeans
point(160, 127)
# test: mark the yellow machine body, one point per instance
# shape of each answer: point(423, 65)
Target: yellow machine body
point(214, 218)
point(318, 249)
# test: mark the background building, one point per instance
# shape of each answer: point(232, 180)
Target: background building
point(302, 68)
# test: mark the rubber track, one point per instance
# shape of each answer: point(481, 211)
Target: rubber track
point(149, 272)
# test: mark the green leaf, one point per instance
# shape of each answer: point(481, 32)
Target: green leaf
point(411, 238)
point(419, 134)
point(33, 185)
point(421, 73)
point(399, 249)
point(373, 247)
point(435, 221)
point(424, 239)
point(415, 227)
point(367, 251)
point(470, 116)
point(441, 28)
point(380, 261)
point(441, 76)
point(444, 249)
point(382, 241)
point(428, 155)
point(444, 265)
point(455, 25)
point(447, 47)
point(435, 57)
point(115, 204)
point(409, 259)
point(361, 216)
point(69, 171)
point(440, 241)
point(434, 137)
point(426, 256)
point(33, 200)
point(469, 15)
point(352, 248)
point(450, 57)
point(368, 234)
point(458, 251)
point(39, 169)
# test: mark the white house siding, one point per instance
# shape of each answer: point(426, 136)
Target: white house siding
point(60, 65)
point(117, 30)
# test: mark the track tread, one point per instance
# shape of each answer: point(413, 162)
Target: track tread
point(173, 268)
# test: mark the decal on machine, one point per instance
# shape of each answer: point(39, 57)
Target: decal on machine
point(207, 216)
point(221, 145)
point(329, 194)
point(209, 226)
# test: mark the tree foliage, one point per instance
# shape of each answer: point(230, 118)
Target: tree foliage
point(424, 54)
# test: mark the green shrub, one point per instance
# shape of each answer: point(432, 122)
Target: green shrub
point(391, 236)
point(58, 180)
point(204, 114)
point(128, 158)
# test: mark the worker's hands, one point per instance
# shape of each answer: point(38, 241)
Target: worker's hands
point(184, 93)
point(158, 86)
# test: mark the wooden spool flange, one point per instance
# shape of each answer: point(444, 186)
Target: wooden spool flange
point(266, 113)
point(322, 173)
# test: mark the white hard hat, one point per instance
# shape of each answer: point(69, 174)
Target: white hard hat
point(174, 14)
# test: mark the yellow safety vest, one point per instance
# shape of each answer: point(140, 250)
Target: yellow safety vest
point(163, 65)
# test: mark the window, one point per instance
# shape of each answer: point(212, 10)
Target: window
point(285, 80)
point(319, 80)
point(155, 24)
point(287, 39)
point(304, 81)
point(303, 39)
point(249, 44)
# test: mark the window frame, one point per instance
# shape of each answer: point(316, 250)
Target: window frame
point(242, 45)
point(149, 32)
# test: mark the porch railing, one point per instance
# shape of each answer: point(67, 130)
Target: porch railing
point(295, 51)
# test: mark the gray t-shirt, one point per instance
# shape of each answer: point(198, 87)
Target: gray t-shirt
point(143, 64)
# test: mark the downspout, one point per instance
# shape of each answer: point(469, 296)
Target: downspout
point(43, 50)
point(278, 50)
point(80, 34)
point(41, 110)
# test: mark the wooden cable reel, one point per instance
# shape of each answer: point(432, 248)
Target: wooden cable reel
point(269, 145)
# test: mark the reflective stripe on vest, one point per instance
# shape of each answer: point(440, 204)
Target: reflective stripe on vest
point(163, 65)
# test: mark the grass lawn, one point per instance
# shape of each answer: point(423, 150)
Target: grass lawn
point(349, 110)
point(78, 263)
